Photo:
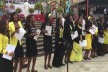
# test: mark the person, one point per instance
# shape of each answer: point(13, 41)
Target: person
point(68, 30)
point(106, 37)
point(31, 46)
point(14, 26)
point(5, 64)
point(59, 45)
point(100, 50)
point(88, 37)
point(94, 43)
point(76, 55)
point(47, 40)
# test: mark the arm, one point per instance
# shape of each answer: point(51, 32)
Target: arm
point(32, 34)
point(4, 44)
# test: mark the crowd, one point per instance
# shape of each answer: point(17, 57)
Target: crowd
point(67, 49)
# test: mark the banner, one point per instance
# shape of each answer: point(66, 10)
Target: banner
point(68, 4)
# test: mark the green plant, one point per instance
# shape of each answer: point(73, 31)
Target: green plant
point(1, 5)
point(38, 6)
point(31, 10)
point(60, 9)
point(18, 10)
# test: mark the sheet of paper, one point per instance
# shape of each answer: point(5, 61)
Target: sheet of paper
point(49, 30)
point(83, 43)
point(93, 29)
point(83, 33)
point(9, 48)
point(38, 33)
point(20, 34)
point(101, 40)
point(75, 35)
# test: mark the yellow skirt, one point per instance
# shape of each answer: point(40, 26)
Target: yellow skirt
point(106, 37)
point(78, 56)
point(88, 37)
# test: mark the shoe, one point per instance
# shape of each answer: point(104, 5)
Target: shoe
point(88, 58)
point(34, 71)
point(50, 66)
point(25, 66)
point(45, 67)
point(92, 56)
point(63, 65)
point(71, 62)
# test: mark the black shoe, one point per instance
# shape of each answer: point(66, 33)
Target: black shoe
point(63, 65)
point(25, 66)
point(71, 62)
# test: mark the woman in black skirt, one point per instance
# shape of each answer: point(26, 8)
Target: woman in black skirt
point(5, 64)
point(94, 43)
point(14, 26)
point(31, 46)
point(69, 28)
point(59, 45)
point(100, 50)
point(47, 40)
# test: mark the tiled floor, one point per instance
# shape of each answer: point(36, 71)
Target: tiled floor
point(99, 64)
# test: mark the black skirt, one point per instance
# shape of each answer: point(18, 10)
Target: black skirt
point(95, 43)
point(31, 48)
point(48, 44)
point(19, 53)
point(5, 65)
point(58, 55)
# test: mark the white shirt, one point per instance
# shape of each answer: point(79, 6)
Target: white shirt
point(63, 20)
point(83, 27)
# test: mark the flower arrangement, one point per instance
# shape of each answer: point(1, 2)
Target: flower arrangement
point(31, 10)
point(38, 6)
point(1, 5)
point(60, 9)
point(18, 10)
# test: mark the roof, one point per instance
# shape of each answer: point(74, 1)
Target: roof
point(95, 2)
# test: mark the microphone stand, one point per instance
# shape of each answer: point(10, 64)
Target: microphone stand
point(67, 51)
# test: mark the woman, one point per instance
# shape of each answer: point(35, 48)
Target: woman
point(14, 26)
point(106, 37)
point(47, 40)
point(76, 55)
point(59, 46)
point(68, 30)
point(88, 37)
point(101, 49)
point(94, 43)
point(5, 65)
point(31, 46)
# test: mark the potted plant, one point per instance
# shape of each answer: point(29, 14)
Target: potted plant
point(59, 9)
point(38, 8)
point(18, 10)
point(1, 5)
point(31, 10)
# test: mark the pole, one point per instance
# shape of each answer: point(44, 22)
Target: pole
point(87, 8)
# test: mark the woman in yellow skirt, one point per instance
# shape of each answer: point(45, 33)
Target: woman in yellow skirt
point(88, 37)
point(76, 54)
point(106, 39)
